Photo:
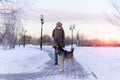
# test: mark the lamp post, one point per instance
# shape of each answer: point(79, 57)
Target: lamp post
point(42, 22)
point(71, 28)
point(24, 40)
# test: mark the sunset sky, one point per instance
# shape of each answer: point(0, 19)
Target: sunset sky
point(89, 17)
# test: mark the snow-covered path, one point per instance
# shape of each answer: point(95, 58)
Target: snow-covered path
point(49, 71)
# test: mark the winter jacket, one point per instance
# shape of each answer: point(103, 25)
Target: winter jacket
point(59, 37)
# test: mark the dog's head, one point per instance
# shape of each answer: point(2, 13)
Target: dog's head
point(56, 46)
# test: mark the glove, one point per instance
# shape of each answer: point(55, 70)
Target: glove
point(56, 40)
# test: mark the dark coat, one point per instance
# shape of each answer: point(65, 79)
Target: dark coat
point(59, 36)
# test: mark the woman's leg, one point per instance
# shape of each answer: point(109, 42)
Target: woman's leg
point(56, 57)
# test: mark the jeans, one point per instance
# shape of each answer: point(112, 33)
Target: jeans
point(56, 56)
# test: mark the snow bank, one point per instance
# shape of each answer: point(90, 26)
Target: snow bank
point(20, 60)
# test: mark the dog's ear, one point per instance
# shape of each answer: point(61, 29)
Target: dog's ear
point(59, 46)
point(55, 46)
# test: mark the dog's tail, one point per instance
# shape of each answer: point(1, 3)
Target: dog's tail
point(72, 49)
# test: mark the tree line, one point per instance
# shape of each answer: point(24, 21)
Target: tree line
point(78, 41)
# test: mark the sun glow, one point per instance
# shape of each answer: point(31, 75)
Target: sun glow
point(106, 39)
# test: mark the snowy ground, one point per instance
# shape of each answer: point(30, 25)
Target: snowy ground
point(20, 60)
point(29, 63)
point(103, 61)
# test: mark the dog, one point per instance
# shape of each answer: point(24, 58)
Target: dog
point(65, 55)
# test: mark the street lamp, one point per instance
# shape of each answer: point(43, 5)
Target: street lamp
point(71, 28)
point(24, 40)
point(42, 22)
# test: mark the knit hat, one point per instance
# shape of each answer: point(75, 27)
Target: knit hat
point(59, 23)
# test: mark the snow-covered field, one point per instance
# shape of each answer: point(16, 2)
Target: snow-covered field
point(104, 62)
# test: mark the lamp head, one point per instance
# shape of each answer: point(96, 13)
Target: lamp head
point(42, 18)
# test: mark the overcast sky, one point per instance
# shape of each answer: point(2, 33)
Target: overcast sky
point(87, 15)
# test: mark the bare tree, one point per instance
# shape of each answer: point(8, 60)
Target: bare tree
point(115, 17)
point(11, 14)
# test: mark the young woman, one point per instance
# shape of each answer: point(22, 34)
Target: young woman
point(58, 36)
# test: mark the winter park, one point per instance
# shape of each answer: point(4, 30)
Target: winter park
point(59, 40)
